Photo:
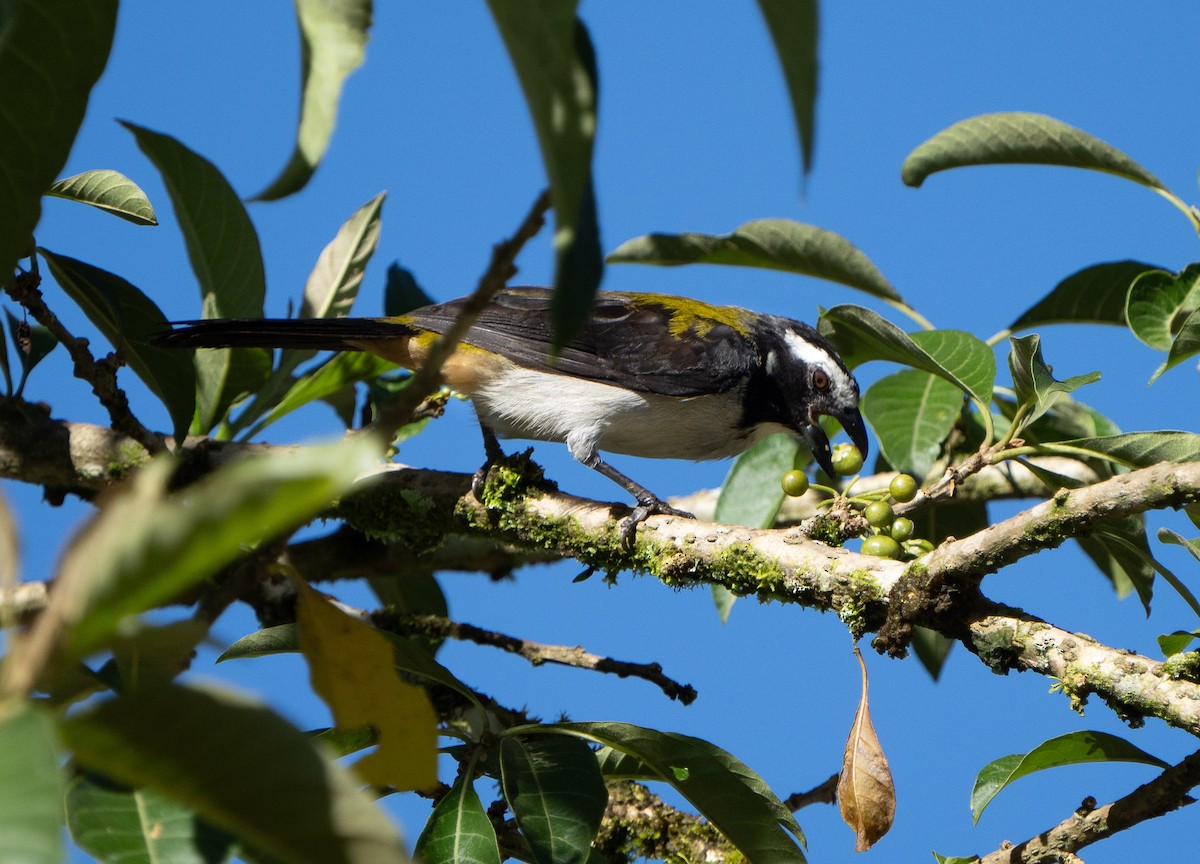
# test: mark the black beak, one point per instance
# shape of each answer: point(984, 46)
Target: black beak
point(818, 441)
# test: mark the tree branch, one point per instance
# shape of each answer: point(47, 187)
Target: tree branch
point(1086, 825)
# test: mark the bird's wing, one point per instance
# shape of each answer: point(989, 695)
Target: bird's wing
point(644, 342)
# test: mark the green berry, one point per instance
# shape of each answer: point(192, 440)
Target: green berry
point(879, 514)
point(881, 546)
point(847, 459)
point(901, 529)
point(918, 547)
point(794, 483)
point(903, 488)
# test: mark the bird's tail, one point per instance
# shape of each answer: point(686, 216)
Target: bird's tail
point(323, 334)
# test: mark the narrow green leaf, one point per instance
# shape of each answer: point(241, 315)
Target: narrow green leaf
point(107, 190)
point(147, 545)
point(31, 787)
point(32, 343)
point(556, 793)
point(402, 293)
point(961, 358)
point(245, 769)
point(459, 830)
point(227, 260)
point(410, 657)
point(118, 825)
point(1093, 295)
point(553, 56)
point(1071, 749)
point(333, 40)
point(793, 28)
point(911, 413)
point(1139, 449)
point(774, 244)
point(1019, 138)
point(129, 319)
point(330, 377)
point(334, 281)
point(1186, 344)
point(723, 788)
point(1036, 387)
point(1166, 535)
point(51, 53)
point(1158, 303)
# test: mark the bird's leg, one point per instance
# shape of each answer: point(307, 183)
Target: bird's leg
point(648, 504)
point(493, 453)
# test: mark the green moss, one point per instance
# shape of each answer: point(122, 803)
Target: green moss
point(391, 512)
point(998, 649)
point(1185, 666)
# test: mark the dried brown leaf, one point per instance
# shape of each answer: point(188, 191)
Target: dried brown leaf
point(865, 792)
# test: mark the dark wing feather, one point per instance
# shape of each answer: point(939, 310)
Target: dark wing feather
point(629, 341)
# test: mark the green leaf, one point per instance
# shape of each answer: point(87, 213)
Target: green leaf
point(51, 53)
point(147, 545)
point(1166, 535)
point(556, 65)
point(956, 859)
point(932, 649)
point(31, 787)
point(793, 28)
point(334, 281)
point(227, 260)
point(1158, 303)
point(1036, 387)
point(1177, 642)
point(4, 368)
point(459, 830)
point(1019, 138)
point(1093, 295)
point(723, 788)
point(129, 319)
point(402, 293)
point(1186, 344)
point(32, 344)
point(338, 372)
point(118, 825)
point(962, 359)
point(556, 793)
point(245, 769)
point(1122, 552)
point(107, 190)
point(1139, 449)
point(333, 40)
point(911, 413)
point(774, 244)
point(1071, 749)
point(409, 656)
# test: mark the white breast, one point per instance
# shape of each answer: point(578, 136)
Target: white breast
point(588, 415)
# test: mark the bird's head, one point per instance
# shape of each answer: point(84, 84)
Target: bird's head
point(805, 379)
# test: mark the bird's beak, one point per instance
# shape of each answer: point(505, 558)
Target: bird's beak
point(818, 441)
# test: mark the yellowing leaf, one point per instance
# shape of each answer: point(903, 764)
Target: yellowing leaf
point(865, 792)
point(353, 670)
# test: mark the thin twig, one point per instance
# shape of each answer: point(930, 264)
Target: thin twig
point(826, 793)
point(436, 627)
point(101, 374)
point(1165, 793)
point(501, 268)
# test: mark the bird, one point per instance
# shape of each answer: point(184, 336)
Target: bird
point(649, 375)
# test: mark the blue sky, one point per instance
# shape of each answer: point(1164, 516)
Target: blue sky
point(696, 135)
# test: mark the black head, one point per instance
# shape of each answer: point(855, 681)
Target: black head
point(802, 378)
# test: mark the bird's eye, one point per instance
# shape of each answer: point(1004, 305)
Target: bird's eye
point(820, 379)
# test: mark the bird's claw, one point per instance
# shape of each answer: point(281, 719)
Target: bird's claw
point(640, 513)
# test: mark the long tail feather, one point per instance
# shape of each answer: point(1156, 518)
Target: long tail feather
point(325, 334)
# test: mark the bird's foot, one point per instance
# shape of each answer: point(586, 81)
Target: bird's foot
point(646, 508)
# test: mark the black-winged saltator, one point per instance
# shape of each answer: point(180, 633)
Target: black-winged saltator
point(650, 374)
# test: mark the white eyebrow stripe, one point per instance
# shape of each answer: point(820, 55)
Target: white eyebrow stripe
point(807, 351)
